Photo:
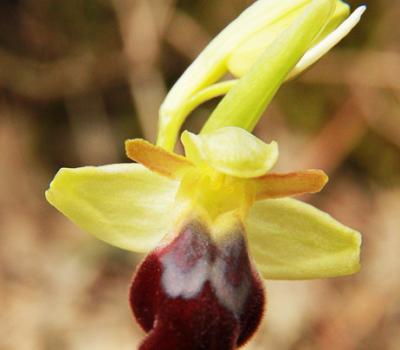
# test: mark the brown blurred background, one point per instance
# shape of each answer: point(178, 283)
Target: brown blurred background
point(78, 77)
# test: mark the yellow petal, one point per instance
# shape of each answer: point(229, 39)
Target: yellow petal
point(284, 185)
point(245, 55)
point(325, 45)
point(125, 205)
point(342, 12)
point(157, 159)
point(289, 239)
point(232, 151)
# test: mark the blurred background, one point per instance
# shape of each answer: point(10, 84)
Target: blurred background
point(78, 77)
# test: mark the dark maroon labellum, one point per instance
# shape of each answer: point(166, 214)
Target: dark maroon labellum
point(194, 294)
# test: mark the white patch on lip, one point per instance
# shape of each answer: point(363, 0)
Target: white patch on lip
point(186, 265)
point(189, 264)
point(233, 297)
point(185, 284)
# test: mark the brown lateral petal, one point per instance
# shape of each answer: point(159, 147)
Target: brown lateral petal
point(156, 158)
point(291, 184)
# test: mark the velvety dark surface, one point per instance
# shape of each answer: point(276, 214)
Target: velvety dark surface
point(220, 313)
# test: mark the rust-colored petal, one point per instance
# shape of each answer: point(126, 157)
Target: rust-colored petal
point(291, 184)
point(156, 158)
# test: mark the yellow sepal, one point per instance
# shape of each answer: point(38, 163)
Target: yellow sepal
point(125, 205)
point(289, 239)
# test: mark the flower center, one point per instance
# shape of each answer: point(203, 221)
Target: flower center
point(213, 193)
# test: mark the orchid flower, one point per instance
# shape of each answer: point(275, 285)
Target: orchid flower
point(214, 222)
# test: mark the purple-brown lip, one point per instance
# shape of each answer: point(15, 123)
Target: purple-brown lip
point(196, 294)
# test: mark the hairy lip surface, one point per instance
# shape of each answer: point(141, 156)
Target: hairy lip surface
point(196, 294)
